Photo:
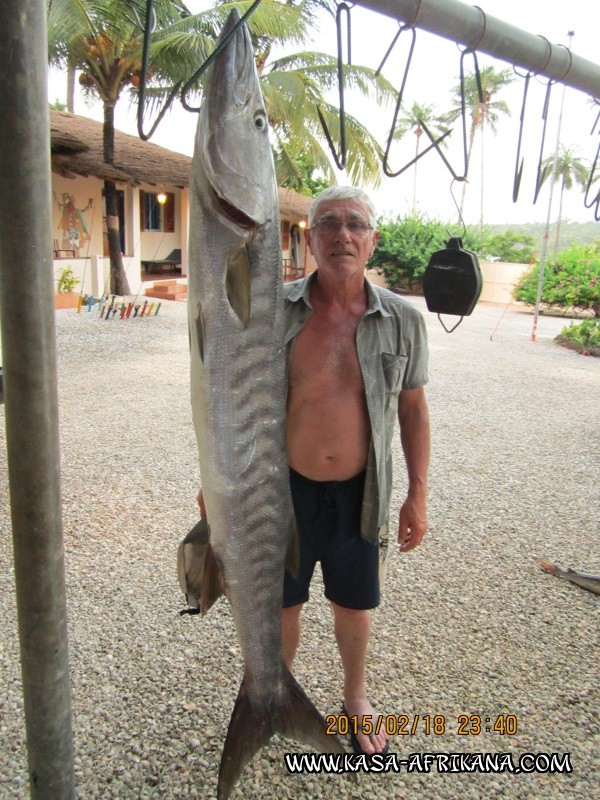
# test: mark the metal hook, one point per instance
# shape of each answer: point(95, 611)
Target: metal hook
point(464, 53)
point(399, 103)
point(401, 27)
point(519, 166)
point(435, 143)
point(149, 26)
point(541, 173)
point(591, 179)
point(597, 119)
point(388, 145)
point(218, 49)
point(340, 160)
point(460, 216)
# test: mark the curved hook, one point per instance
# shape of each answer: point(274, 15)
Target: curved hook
point(463, 108)
point(460, 216)
point(149, 26)
point(398, 101)
point(434, 142)
point(591, 179)
point(401, 27)
point(541, 173)
point(597, 118)
point(340, 160)
point(519, 166)
point(218, 49)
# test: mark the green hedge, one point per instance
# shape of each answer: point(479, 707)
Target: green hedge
point(406, 243)
point(571, 280)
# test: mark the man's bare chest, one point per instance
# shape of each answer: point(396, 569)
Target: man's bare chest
point(325, 351)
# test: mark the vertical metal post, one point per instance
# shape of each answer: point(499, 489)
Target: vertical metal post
point(30, 393)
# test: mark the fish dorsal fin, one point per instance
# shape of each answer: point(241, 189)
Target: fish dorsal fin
point(237, 285)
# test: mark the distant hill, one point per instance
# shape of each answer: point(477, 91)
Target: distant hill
point(570, 232)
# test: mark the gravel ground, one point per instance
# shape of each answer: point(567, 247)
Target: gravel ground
point(469, 624)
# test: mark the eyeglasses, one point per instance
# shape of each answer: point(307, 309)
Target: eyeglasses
point(332, 225)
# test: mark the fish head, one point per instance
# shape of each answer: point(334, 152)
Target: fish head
point(233, 138)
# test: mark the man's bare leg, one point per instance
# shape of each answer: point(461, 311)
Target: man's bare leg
point(290, 633)
point(352, 630)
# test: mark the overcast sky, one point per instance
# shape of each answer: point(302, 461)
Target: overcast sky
point(433, 75)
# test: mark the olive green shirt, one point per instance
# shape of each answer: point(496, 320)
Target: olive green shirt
point(391, 342)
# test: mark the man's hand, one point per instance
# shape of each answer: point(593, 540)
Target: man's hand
point(413, 522)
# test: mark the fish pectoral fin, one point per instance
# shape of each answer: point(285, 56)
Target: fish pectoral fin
point(196, 567)
point(237, 285)
point(291, 714)
point(292, 556)
point(213, 581)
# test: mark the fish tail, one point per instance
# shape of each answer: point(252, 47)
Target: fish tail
point(293, 715)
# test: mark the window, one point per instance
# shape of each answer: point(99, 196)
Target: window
point(155, 216)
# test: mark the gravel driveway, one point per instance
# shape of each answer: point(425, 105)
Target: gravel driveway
point(469, 624)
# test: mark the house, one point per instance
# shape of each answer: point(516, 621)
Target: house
point(153, 186)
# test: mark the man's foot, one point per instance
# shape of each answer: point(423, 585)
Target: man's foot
point(362, 742)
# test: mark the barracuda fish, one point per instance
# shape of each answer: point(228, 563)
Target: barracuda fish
point(583, 579)
point(238, 388)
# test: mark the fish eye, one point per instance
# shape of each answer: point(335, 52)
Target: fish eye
point(260, 121)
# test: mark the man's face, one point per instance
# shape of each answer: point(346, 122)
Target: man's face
point(344, 251)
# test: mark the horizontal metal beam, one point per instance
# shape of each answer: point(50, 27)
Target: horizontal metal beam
point(472, 27)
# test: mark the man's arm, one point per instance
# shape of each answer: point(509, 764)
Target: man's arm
point(413, 416)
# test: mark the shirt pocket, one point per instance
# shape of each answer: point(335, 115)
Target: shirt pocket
point(393, 367)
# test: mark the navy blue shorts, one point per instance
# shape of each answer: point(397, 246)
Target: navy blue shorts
point(328, 517)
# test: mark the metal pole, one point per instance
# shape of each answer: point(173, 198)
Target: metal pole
point(540, 287)
point(30, 393)
point(473, 28)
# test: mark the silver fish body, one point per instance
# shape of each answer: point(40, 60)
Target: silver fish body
point(238, 385)
point(583, 579)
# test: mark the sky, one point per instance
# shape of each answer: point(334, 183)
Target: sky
point(433, 75)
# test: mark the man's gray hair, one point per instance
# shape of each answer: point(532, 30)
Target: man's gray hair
point(343, 193)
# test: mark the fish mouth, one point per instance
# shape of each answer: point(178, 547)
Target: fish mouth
point(233, 213)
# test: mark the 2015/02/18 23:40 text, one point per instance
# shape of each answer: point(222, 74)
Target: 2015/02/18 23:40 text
point(429, 724)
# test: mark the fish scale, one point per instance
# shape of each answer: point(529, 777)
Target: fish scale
point(238, 387)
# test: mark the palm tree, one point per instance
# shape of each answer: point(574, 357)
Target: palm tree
point(103, 40)
point(294, 87)
point(483, 112)
point(412, 121)
point(570, 171)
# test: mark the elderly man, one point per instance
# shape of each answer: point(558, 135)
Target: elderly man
point(357, 358)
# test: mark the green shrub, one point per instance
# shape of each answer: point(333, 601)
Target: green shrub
point(585, 333)
point(67, 280)
point(404, 248)
point(571, 280)
point(511, 247)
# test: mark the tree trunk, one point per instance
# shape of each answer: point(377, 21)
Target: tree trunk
point(471, 139)
point(418, 134)
point(482, 182)
point(118, 279)
point(71, 89)
point(559, 220)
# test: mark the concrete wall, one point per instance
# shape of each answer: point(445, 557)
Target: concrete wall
point(78, 232)
point(498, 279)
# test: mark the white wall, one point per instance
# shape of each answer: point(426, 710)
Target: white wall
point(499, 277)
